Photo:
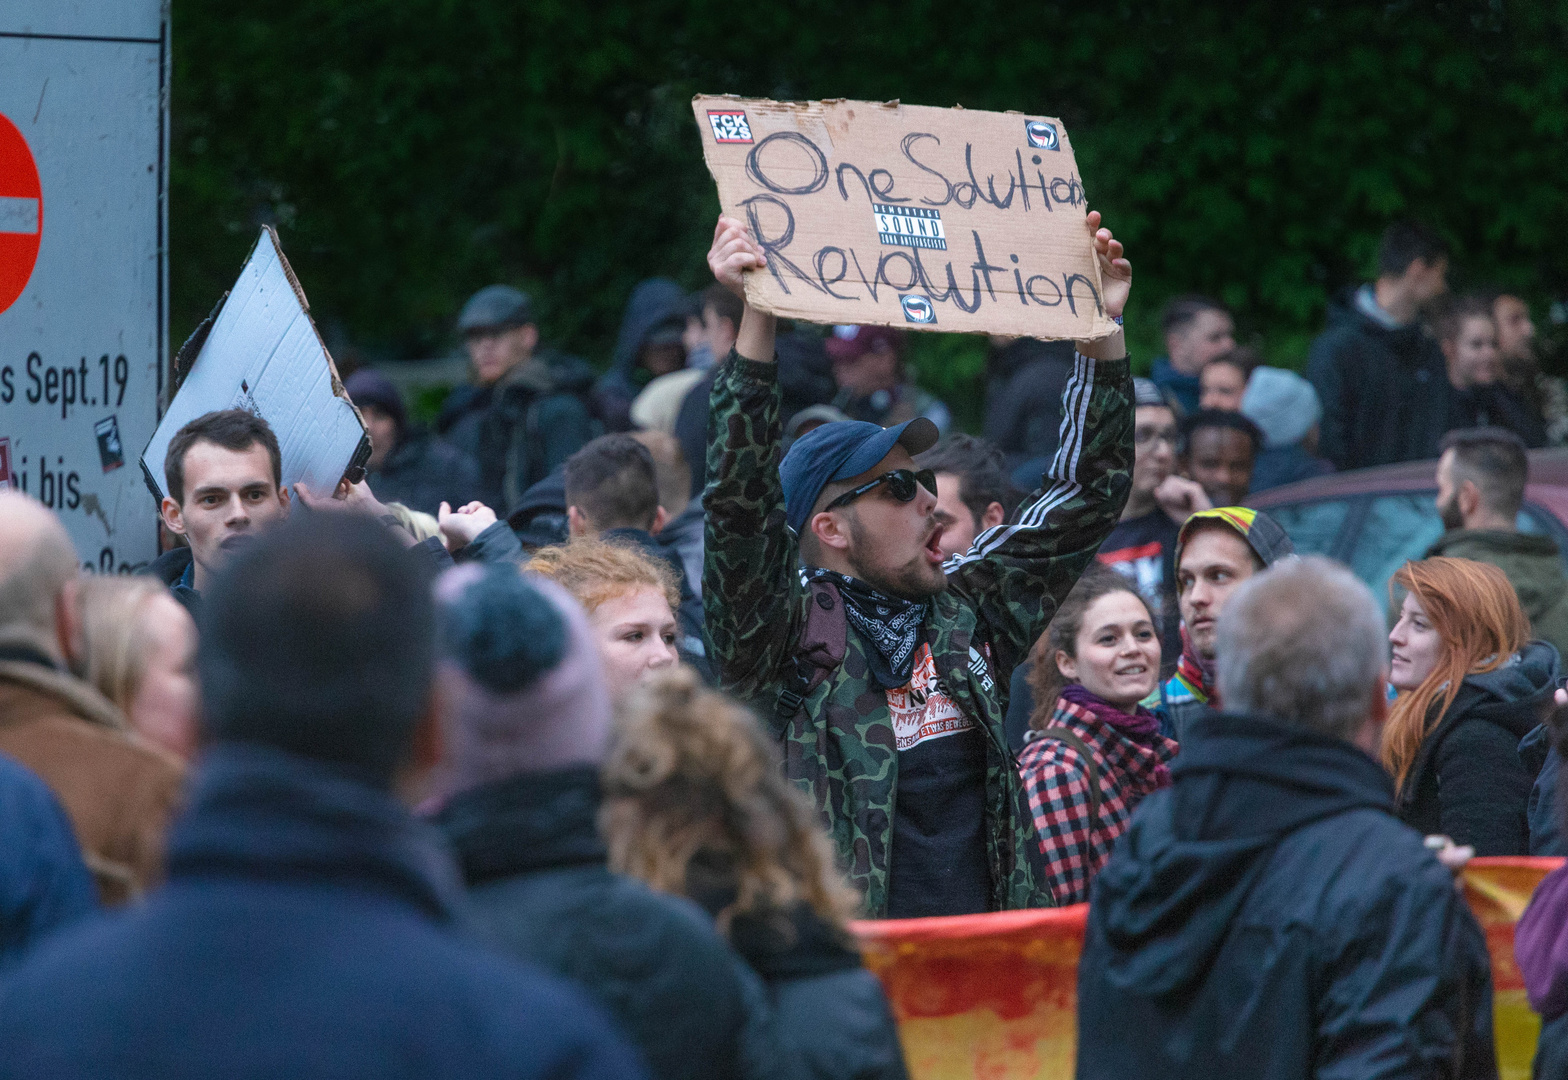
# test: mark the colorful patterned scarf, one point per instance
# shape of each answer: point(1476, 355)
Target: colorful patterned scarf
point(1197, 679)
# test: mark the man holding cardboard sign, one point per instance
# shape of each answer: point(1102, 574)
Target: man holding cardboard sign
point(885, 671)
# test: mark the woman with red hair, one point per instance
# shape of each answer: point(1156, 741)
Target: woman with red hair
point(1471, 684)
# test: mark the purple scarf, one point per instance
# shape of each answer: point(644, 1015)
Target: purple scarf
point(1142, 726)
point(1139, 725)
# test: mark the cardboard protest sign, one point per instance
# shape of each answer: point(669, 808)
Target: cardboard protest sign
point(903, 215)
point(261, 352)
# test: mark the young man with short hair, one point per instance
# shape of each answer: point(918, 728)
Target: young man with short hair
point(224, 476)
point(1196, 329)
point(899, 737)
point(612, 492)
point(973, 493)
point(1379, 374)
point(1268, 914)
point(1219, 449)
point(1216, 551)
point(309, 927)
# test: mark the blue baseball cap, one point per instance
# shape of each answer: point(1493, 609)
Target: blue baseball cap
point(839, 451)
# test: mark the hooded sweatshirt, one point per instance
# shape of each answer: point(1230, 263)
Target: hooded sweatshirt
point(655, 304)
point(1384, 388)
point(1467, 780)
point(1267, 915)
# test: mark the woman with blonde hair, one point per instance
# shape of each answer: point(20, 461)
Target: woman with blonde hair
point(138, 648)
point(1471, 684)
point(696, 804)
point(630, 599)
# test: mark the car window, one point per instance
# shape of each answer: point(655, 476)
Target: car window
point(1396, 528)
point(1314, 527)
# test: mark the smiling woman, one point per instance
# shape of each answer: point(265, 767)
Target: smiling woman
point(1094, 752)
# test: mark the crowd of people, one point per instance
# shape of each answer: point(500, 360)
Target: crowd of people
point(570, 741)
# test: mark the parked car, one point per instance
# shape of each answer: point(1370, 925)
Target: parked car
point(1373, 520)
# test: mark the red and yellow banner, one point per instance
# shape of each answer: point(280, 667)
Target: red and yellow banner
point(988, 997)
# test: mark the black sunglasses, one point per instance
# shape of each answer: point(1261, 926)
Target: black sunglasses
point(900, 484)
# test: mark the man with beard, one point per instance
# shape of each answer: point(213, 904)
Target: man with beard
point(224, 476)
point(1480, 490)
point(883, 667)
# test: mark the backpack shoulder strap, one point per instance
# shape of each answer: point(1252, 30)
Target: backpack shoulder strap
point(824, 638)
point(1071, 739)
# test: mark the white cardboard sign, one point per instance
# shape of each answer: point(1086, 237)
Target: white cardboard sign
point(261, 352)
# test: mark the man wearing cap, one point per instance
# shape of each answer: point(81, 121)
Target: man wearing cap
point(899, 737)
point(526, 411)
point(1216, 551)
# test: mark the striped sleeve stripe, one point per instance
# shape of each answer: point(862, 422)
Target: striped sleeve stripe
point(1063, 470)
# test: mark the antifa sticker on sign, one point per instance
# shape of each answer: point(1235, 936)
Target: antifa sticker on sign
point(903, 215)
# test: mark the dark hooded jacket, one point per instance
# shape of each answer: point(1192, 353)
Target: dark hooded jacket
point(540, 889)
point(1385, 392)
point(307, 930)
point(1533, 566)
point(655, 304)
point(1467, 781)
point(1268, 916)
point(524, 426)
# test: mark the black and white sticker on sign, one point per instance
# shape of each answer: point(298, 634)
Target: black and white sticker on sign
point(729, 127)
point(110, 451)
point(1042, 136)
point(918, 309)
point(911, 226)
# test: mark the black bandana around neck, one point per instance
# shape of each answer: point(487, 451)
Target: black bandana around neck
point(891, 626)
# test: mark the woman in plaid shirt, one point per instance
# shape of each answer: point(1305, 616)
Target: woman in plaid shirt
point(1094, 752)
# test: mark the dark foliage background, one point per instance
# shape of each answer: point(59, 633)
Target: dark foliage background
point(410, 151)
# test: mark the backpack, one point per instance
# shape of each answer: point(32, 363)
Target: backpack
point(823, 641)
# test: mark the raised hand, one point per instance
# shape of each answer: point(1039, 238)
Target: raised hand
point(732, 254)
point(1115, 271)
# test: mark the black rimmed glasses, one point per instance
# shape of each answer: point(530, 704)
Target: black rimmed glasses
point(900, 484)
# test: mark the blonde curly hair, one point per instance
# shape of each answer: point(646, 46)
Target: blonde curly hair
point(595, 570)
point(690, 774)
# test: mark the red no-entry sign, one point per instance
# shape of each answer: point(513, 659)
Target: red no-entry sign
point(21, 213)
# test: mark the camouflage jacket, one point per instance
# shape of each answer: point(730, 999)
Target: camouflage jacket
point(839, 747)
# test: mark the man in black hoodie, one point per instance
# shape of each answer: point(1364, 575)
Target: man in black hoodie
point(1267, 914)
point(1380, 374)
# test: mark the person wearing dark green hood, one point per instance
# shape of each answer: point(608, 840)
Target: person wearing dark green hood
point(1268, 914)
point(1480, 489)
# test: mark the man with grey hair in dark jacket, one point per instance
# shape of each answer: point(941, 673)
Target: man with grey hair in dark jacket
point(1267, 914)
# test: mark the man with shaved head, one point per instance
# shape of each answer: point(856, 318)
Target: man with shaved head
point(117, 789)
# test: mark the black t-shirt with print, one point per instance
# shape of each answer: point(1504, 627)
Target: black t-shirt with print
point(938, 864)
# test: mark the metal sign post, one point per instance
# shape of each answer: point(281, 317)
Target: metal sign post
point(84, 112)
